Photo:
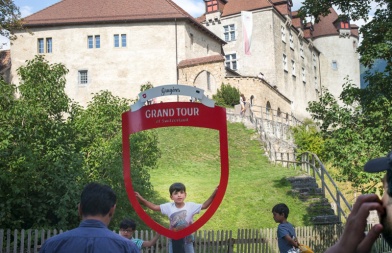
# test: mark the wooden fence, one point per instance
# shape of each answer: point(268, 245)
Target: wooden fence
point(222, 241)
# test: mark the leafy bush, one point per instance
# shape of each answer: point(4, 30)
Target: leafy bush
point(308, 138)
point(227, 96)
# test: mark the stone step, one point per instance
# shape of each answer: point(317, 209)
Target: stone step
point(324, 219)
point(318, 207)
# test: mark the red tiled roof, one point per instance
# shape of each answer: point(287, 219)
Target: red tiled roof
point(93, 11)
point(201, 60)
point(236, 6)
point(326, 27)
point(74, 12)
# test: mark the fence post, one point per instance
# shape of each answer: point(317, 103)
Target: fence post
point(322, 181)
point(313, 166)
point(338, 205)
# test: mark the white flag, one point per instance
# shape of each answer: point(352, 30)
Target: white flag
point(247, 27)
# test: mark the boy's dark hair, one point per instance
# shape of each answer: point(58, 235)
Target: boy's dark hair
point(176, 187)
point(281, 209)
point(128, 223)
point(97, 199)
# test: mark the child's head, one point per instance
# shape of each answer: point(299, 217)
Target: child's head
point(280, 212)
point(127, 227)
point(176, 187)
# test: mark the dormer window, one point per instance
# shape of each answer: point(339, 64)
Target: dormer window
point(344, 25)
point(212, 5)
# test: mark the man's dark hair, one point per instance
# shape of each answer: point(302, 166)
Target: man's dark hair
point(128, 223)
point(176, 187)
point(389, 182)
point(281, 209)
point(97, 199)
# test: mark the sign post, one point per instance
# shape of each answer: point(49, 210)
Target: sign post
point(144, 117)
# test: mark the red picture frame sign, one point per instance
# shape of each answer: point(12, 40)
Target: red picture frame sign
point(173, 114)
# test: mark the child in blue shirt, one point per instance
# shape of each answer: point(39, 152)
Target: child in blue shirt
point(128, 227)
point(287, 238)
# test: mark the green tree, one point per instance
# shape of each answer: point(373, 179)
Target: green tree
point(50, 147)
point(39, 161)
point(360, 128)
point(146, 86)
point(100, 139)
point(227, 96)
point(10, 19)
point(307, 137)
point(356, 131)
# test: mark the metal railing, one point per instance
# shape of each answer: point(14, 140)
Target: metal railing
point(270, 125)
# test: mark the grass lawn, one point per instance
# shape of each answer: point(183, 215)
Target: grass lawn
point(191, 156)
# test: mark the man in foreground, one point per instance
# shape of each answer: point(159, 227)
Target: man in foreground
point(96, 207)
point(354, 239)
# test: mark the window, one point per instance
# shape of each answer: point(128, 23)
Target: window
point(334, 65)
point(231, 61)
point(83, 76)
point(123, 40)
point(229, 32)
point(117, 40)
point(291, 41)
point(268, 108)
point(212, 5)
point(293, 67)
point(284, 62)
point(90, 42)
point(191, 37)
point(301, 49)
point(314, 59)
point(49, 45)
point(303, 75)
point(283, 32)
point(344, 25)
point(41, 46)
point(97, 41)
point(45, 45)
point(315, 81)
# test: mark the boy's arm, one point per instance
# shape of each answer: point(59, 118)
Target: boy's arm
point(151, 242)
point(147, 203)
point(208, 202)
point(291, 241)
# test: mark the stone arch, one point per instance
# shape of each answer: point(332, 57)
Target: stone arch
point(268, 108)
point(206, 81)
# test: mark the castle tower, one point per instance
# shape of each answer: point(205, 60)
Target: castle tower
point(337, 40)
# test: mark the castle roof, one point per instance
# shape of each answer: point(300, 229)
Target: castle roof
point(200, 60)
point(234, 7)
point(77, 12)
point(326, 26)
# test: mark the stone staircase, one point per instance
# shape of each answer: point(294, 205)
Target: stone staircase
point(318, 207)
point(304, 187)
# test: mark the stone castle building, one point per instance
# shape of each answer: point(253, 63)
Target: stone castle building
point(278, 61)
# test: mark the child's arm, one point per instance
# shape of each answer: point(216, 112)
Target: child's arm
point(208, 202)
point(147, 203)
point(293, 242)
point(151, 242)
